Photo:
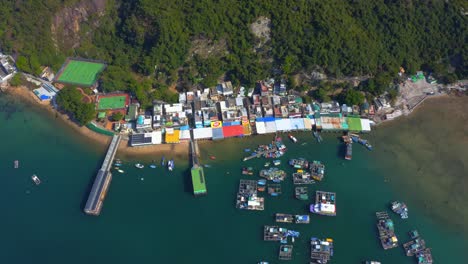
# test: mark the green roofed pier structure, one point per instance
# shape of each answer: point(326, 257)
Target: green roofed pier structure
point(198, 180)
point(197, 173)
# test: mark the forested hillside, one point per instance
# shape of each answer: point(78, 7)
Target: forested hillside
point(156, 38)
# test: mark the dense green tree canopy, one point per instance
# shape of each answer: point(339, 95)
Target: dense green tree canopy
point(70, 100)
point(154, 37)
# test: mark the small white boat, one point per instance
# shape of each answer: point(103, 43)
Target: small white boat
point(16, 164)
point(139, 166)
point(36, 179)
point(121, 171)
point(294, 139)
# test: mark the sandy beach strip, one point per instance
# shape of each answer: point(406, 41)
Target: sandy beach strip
point(180, 150)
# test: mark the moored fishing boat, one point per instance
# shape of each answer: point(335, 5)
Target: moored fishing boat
point(276, 162)
point(349, 151)
point(170, 165)
point(293, 139)
point(317, 136)
point(139, 166)
point(163, 161)
point(16, 164)
point(400, 208)
point(152, 166)
point(267, 164)
point(247, 171)
point(36, 179)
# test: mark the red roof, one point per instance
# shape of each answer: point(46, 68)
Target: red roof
point(233, 131)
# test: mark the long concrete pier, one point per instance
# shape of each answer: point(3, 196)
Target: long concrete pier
point(101, 183)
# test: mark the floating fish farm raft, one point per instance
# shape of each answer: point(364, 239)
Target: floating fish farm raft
point(284, 218)
point(299, 163)
point(317, 169)
point(424, 256)
point(325, 203)
point(274, 233)
point(273, 174)
point(274, 189)
point(417, 247)
point(414, 246)
point(247, 196)
point(285, 252)
point(321, 250)
point(386, 229)
point(301, 193)
point(302, 177)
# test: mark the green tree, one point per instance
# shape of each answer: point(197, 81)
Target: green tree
point(70, 100)
point(117, 116)
point(16, 80)
point(353, 97)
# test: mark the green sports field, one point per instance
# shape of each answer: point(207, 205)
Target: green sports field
point(114, 102)
point(81, 72)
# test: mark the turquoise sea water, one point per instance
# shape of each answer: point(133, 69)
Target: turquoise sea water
point(157, 220)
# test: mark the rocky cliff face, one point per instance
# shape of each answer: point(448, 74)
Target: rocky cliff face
point(73, 24)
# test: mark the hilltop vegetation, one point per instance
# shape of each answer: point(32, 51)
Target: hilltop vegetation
point(153, 39)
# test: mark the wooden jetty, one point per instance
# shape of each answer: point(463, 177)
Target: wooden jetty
point(386, 229)
point(274, 233)
point(285, 252)
point(284, 218)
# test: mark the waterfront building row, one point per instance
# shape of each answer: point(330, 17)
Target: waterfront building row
point(220, 130)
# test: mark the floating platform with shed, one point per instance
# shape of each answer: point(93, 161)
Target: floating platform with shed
point(325, 203)
point(274, 233)
point(317, 169)
point(284, 218)
point(301, 193)
point(247, 198)
point(102, 181)
point(302, 177)
point(299, 163)
point(285, 252)
point(386, 230)
point(321, 250)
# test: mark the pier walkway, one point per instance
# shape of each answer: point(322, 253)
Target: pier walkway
point(101, 183)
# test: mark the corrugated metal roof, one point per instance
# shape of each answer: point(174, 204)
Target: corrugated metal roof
point(203, 133)
point(218, 133)
point(260, 126)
